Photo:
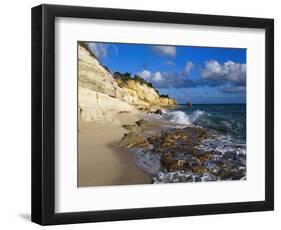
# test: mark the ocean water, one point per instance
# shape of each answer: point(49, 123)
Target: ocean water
point(227, 119)
point(227, 146)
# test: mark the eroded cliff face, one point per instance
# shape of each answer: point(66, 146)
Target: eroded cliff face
point(94, 76)
point(95, 106)
point(145, 96)
point(101, 96)
point(167, 102)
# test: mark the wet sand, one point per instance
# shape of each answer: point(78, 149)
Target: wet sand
point(100, 161)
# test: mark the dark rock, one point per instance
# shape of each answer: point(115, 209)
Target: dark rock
point(173, 138)
point(224, 169)
point(242, 159)
point(239, 163)
point(230, 155)
point(158, 111)
point(171, 164)
point(188, 104)
point(182, 151)
point(233, 173)
point(133, 139)
point(199, 169)
point(143, 124)
point(172, 177)
point(213, 168)
point(196, 132)
point(201, 155)
point(197, 179)
point(132, 127)
point(178, 151)
point(188, 136)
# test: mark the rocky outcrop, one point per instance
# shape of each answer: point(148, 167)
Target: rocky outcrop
point(132, 127)
point(139, 126)
point(101, 96)
point(133, 139)
point(167, 102)
point(144, 124)
point(181, 154)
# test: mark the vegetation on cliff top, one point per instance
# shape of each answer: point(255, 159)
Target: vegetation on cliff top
point(123, 77)
point(127, 76)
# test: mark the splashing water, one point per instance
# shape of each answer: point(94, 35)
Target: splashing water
point(181, 117)
point(228, 119)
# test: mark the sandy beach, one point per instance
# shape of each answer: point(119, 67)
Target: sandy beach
point(101, 161)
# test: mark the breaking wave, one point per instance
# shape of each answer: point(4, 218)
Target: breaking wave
point(183, 118)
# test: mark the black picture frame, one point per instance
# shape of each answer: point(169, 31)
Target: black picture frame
point(43, 114)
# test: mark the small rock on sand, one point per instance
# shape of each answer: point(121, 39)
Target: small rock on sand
point(132, 127)
point(133, 139)
point(143, 124)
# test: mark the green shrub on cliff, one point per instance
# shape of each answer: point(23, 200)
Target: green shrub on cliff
point(127, 76)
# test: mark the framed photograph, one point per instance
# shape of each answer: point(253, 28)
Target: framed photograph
point(143, 114)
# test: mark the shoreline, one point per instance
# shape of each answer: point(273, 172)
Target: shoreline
point(104, 138)
point(145, 149)
point(101, 162)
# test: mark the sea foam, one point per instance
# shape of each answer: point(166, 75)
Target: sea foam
point(181, 117)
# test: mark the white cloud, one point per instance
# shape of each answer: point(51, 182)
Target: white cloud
point(187, 68)
point(151, 77)
point(169, 51)
point(145, 74)
point(229, 77)
point(231, 71)
point(166, 79)
point(158, 76)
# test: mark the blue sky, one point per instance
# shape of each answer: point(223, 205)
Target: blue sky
point(196, 74)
